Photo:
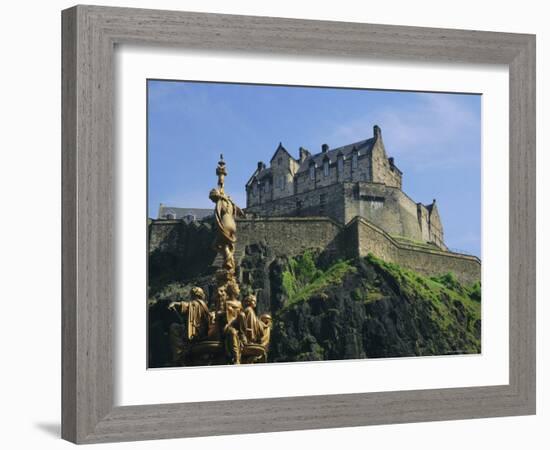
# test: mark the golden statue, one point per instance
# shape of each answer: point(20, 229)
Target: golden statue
point(225, 212)
point(221, 172)
point(231, 318)
point(231, 334)
point(257, 330)
point(197, 325)
point(198, 315)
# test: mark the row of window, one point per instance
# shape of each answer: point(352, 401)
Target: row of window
point(339, 165)
point(280, 181)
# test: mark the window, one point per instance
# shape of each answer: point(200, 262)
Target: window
point(298, 208)
point(326, 168)
point(282, 182)
point(340, 165)
point(280, 161)
point(354, 160)
point(266, 186)
point(312, 172)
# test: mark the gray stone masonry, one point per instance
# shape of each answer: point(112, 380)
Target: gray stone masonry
point(182, 245)
point(342, 183)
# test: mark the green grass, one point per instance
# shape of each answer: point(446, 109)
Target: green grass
point(303, 278)
point(445, 293)
point(373, 296)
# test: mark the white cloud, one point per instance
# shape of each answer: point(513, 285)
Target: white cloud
point(429, 132)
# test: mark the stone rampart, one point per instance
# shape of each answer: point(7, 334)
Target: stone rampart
point(364, 237)
point(177, 249)
point(289, 236)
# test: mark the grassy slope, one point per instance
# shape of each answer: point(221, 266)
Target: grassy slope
point(431, 315)
point(303, 279)
point(445, 293)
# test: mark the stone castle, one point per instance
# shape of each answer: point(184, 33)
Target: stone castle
point(345, 201)
point(356, 180)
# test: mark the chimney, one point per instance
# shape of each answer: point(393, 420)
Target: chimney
point(377, 132)
point(261, 165)
point(324, 148)
point(391, 161)
point(304, 154)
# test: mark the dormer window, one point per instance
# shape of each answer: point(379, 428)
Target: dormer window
point(340, 164)
point(280, 161)
point(282, 182)
point(354, 160)
point(326, 168)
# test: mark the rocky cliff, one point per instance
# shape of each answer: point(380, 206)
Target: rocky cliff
point(371, 309)
point(329, 309)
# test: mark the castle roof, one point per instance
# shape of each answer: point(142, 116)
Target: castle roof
point(332, 155)
point(362, 147)
point(280, 147)
point(182, 213)
point(260, 174)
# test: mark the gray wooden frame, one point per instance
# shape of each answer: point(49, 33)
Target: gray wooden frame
point(89, 36)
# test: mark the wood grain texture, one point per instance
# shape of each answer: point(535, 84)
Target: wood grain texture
point(89, 36)
point(68, 224)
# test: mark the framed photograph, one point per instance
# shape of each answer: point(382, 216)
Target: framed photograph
point(268, 222)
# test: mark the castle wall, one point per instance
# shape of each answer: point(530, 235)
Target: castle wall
point(259, 194)
point(362, 172)
point(436, 227)
point(371, 239)
point(327, 201)
point(423, 214)
point(180, 251)
point(255, 194)
point(382, 171)
point(288, 236)
point(385, 206)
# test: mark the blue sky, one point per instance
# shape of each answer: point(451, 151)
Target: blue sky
point(434, 137)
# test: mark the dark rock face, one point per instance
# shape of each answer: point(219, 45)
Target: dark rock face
point(366, 309)
point(373, 315)
point(253, 273)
